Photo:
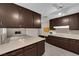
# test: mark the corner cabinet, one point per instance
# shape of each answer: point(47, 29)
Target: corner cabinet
point(71, 20)
point(14, 16)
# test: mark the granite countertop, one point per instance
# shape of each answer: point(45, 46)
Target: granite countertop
point(18, 43)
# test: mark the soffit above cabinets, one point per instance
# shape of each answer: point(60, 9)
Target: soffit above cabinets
point(47, 8)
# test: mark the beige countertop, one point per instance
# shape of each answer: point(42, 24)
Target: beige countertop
point(18, 43)
point(72, 36)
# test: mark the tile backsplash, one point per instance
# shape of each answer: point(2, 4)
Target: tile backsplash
point(24, 31)
point(11, 31)
point(15, 32)
point(66, 30)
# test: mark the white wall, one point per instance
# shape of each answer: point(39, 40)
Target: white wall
point(66, 31)
point(32, 31)
point(44, 23)
point(11, 31)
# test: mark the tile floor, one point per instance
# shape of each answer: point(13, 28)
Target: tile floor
point(51, 50)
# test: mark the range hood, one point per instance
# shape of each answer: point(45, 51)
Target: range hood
point(67, 26)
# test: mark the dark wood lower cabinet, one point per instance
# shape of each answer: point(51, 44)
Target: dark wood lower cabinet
point(40, 48)
point(36, 49)
point(65, 43)
point(31, 52)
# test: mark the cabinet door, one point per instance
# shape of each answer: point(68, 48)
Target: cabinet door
point(49, 40)
point(31, 52)
point(37, 20)
point(52, 40)
point(77, 46)
point(63, 21)
point(74, 22)
point(26, 17)
point(40, 48)
point(51, 22)
point(11, 15)
point(2, 14)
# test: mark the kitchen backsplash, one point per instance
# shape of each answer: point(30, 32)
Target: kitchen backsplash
point(11, 31)
point(23, 31)
point(66, 30)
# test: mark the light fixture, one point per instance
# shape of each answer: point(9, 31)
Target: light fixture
point(67, 26)
point(60, 14)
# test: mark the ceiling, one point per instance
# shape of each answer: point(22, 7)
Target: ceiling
point(46, 8)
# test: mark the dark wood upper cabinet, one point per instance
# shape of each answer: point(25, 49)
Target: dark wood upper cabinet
point(2, 14)
point(26, 17)
point(71, 20)
point(62, 21)
point(37, 20)
point(14, 16)
point(74, 22)
point(11, 16)
point(52, 24)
